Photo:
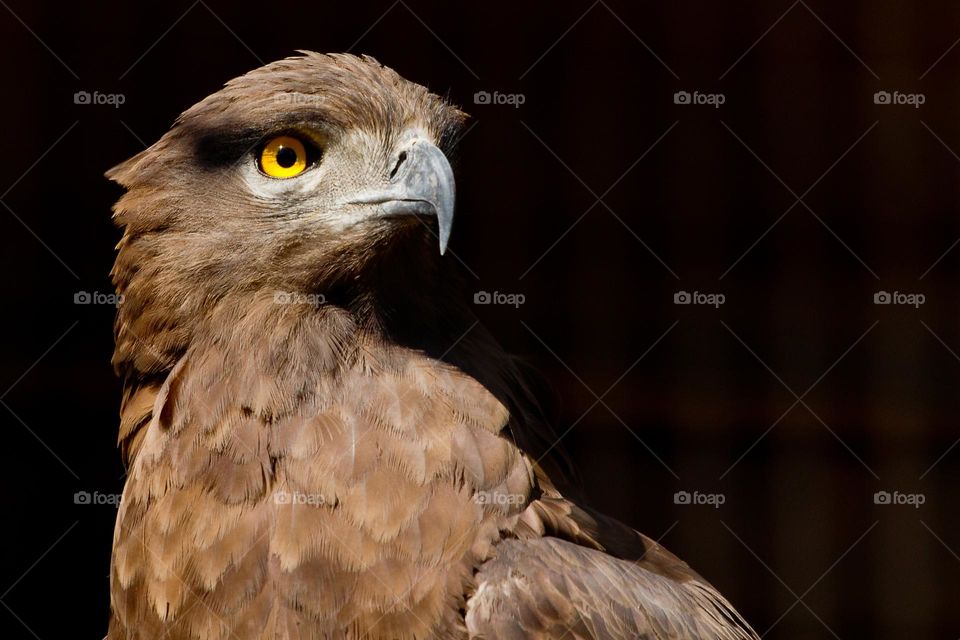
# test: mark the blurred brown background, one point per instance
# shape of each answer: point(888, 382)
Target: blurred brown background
point(798, 199)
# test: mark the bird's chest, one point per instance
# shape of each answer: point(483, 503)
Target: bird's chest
point(362, 508)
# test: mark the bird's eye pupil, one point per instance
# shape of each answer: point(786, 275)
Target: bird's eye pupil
point(286, 157)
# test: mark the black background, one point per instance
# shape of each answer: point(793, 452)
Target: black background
point(694, 198)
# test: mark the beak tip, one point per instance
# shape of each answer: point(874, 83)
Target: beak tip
point(445, 223)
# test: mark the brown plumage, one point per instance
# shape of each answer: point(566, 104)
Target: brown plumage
point(321, 441)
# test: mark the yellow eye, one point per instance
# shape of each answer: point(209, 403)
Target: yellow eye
point(283, 157)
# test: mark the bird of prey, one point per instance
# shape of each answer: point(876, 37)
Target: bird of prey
point(321, 442)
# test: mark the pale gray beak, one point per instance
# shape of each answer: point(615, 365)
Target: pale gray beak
point(421, 183)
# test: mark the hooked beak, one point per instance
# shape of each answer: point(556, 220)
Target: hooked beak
point(421, 183)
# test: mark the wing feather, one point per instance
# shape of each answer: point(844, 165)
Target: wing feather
point(552, 588)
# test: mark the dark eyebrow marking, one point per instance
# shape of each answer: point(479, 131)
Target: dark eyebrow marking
point(219, 149)
point(227, 143)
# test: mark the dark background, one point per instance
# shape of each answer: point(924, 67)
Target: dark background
point(708, 203)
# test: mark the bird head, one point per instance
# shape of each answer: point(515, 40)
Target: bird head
point(299, 174)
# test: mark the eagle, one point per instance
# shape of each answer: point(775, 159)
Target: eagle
point(320, 439)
